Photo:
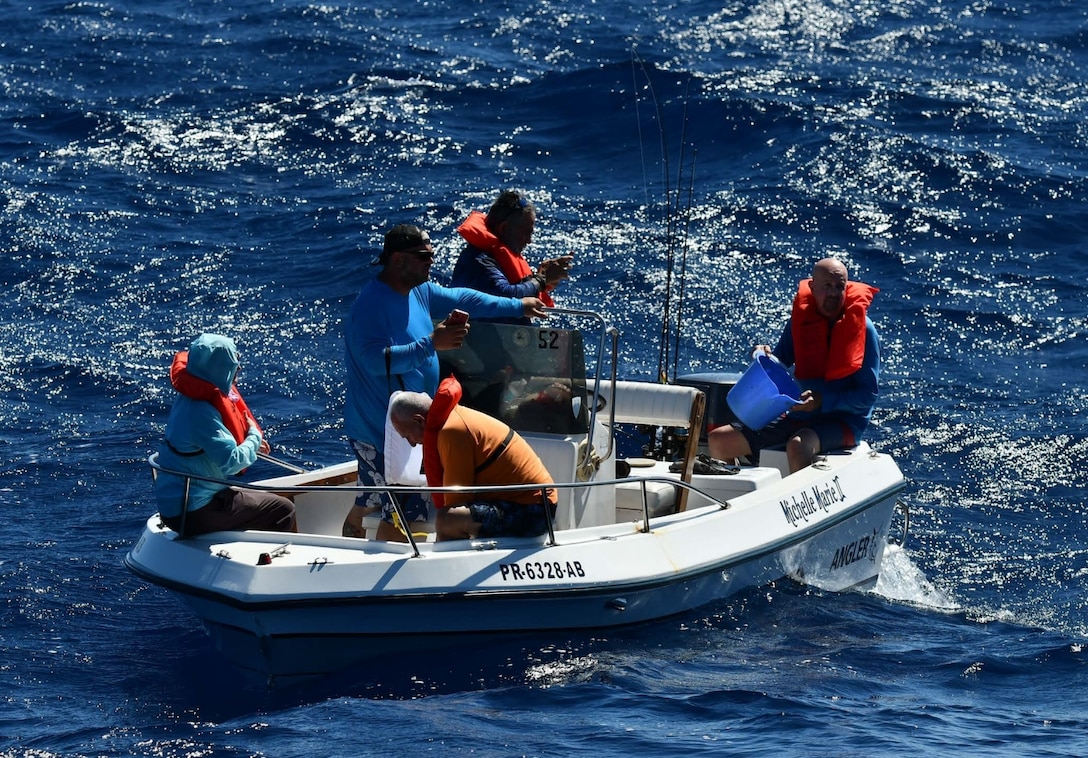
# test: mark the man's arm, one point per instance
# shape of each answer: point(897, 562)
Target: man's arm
point(442, 300)
point(218, 443)
point(486, 276)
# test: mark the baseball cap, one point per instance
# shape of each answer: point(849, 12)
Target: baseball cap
point(403, 237)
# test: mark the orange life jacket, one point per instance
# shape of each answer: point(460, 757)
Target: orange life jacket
point(514, 267)
point(232, 408)
point(825, 349)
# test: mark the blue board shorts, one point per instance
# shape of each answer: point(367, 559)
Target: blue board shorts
point(417, 506)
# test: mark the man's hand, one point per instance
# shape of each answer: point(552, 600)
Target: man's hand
point(533, 307)
point(810, 402)
point(447, 337)
point(264, 447)
point(555, 270)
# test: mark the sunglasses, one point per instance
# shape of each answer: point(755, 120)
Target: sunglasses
point(422, 253)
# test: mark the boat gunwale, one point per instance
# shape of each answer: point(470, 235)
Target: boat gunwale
point(263, 485)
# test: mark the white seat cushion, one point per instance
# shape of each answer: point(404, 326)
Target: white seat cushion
point(660, 496)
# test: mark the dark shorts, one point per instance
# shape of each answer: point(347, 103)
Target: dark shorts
point(499, 518)
point(416, 506)
point(834, 433)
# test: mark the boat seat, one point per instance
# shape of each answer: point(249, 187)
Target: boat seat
point(671, 405)
point(660, 497)
point(720, 487)
point(322, 512)
point(645, 403)
point(775, 457)
point(370, 524)
point(560, 456)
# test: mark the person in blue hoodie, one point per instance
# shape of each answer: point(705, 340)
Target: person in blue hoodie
point(212, 433)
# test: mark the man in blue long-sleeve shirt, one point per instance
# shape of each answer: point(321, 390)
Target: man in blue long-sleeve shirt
point(391, 343)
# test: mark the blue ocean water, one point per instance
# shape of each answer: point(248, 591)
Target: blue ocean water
point(172, 167)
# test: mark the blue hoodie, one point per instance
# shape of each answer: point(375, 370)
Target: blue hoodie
point(196, 440)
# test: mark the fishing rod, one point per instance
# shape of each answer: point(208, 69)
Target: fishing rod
point(636, 59)
point(282, 463)
point(684, 265)
point(669, 346)
point(663, 441)
point(675, 213)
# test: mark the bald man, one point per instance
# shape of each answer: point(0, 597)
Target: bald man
point(834, 350)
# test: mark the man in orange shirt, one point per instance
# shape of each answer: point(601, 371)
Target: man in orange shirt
point(462, 446)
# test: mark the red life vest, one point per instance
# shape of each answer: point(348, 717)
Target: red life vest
point(232, 408)
point(825, 349)
point(445, 400)
point(513, 266)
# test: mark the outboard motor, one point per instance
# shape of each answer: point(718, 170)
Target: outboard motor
point(715, 385)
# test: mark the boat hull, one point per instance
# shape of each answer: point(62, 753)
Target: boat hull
point(320, 603)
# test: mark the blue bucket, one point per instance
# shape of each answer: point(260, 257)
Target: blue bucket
point(764, 392)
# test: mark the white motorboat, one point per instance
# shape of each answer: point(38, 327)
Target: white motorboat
point(622, 549)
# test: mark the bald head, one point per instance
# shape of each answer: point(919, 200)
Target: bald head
point(829, 279)
point(829, 267)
